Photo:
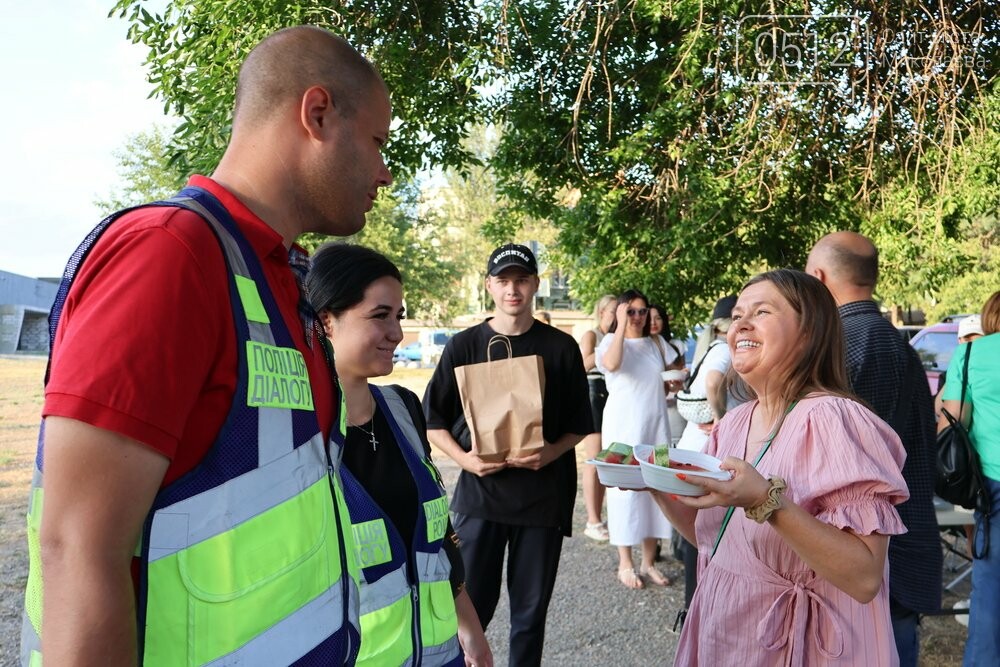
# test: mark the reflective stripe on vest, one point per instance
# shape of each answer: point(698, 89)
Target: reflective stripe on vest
point(245, 559)
point(31, 620)
point(389, 627)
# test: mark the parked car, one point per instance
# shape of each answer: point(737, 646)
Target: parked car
point(433, 341)
point(690, 344)
point(908, 331)
point(955, 318)
point(411, 352)
point(935, 345)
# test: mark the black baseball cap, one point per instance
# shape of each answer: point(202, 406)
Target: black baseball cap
point(512, 255)
point(724, 307)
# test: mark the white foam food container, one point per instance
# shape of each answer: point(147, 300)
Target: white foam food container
point(665, 479)
point(618, 474)
point(674, 375)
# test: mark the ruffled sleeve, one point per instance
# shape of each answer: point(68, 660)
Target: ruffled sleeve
point(848, 466)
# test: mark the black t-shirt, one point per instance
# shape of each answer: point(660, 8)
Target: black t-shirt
point(515, 495)
point(386, 477)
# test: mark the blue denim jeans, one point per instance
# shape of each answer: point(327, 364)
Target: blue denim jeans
point(983, 646)
point(905, 630)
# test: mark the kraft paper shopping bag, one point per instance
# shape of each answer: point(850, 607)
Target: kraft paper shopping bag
point(502, 402)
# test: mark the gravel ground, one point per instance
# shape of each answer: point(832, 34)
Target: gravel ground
point(593, 619)
point(13, 572)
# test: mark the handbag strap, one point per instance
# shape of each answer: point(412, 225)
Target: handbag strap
point(690, 381)
point(659, 348)
point(965, 384)
point(760, 455)
point(985, 501)
point(677, 351)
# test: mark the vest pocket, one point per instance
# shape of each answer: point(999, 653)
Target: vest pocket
point(211, 598)
point(438, 619)
point(387, 634)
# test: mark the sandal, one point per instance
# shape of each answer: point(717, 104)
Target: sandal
point(629, 578)
point(655, 576)
point(597, 532)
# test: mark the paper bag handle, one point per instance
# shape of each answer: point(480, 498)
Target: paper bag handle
point(503, 339)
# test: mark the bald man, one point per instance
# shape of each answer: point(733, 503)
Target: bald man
point(886, 372)
point(189, 448)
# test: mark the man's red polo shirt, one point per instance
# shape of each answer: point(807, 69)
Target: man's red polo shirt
point(146, 345)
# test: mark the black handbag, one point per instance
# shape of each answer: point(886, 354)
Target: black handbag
point(959, 473)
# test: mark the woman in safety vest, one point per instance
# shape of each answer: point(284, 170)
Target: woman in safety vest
point(414, 609)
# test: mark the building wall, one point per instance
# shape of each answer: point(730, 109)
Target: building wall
point(34, 333)
point(24, 309)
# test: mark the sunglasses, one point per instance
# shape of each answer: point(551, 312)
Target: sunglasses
point(641, 312)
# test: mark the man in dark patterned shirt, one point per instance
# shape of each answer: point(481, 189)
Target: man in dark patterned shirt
point(886, 372)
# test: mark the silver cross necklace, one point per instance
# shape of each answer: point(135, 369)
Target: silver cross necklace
point(371, 434)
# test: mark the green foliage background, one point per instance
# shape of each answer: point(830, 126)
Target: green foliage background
point(145, 172)
point(414, 243)
point(652, 135)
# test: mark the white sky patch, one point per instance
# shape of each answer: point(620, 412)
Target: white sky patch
point(74, 90)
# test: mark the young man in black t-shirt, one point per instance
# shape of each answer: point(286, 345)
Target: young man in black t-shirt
point(521, 504)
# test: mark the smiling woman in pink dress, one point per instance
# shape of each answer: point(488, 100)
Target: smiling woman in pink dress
point(799, 572)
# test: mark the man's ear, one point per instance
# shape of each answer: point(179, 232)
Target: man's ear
point(316, 111)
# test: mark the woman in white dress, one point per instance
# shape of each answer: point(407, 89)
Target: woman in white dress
point(636, 413)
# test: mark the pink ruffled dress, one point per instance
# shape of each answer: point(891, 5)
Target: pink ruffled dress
point(757, 603)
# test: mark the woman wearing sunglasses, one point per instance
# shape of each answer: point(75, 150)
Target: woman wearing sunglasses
point(635, 413)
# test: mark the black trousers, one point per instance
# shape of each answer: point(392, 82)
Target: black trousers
point(690, 553)
point(598, 399)
point(532, 562)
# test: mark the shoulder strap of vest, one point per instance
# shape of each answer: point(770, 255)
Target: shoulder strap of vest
point(205, 204)
point(406, 414)
point(69, 273)
point(403, 417)
point(192, 198)
point(73, 266)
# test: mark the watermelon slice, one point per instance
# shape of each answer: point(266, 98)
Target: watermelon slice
point(661, 456)
point(615, 453)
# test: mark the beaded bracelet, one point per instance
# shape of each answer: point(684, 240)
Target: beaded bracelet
point(762, 512)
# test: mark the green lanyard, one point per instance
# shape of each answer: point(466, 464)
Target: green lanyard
point(763, 450)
